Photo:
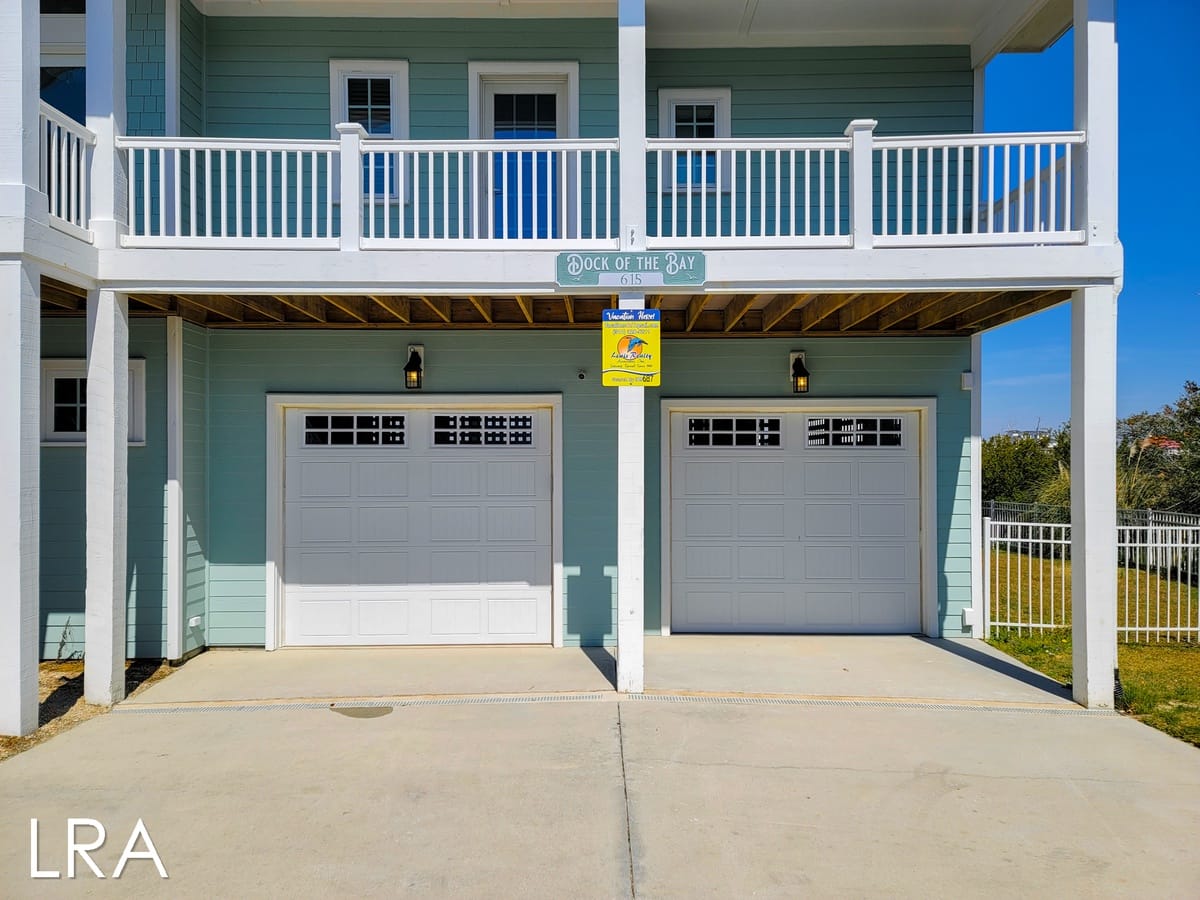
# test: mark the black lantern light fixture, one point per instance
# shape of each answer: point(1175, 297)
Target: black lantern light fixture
point(414, 368)
point(799, 373)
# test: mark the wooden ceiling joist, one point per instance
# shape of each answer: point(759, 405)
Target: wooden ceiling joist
point(694, 308)
point(862, 308)
point(569, 305)
point(953, 305)
point(61, 300)
point(309, 307)
point(161, 302)
point(440, 307)
point(483, 306)
point(216, 304)
point(356, 308)
point(781, 306)
point(995, 307)
point(265, 306)
point(737, 308)
point(526, 306)
point(906, 307)
point(398, 308)
point(821, 308)
point(1028, 307)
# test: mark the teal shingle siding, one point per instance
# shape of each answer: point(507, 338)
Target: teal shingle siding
point(191, 69)
point(145, 66)
point(63, 502)
point(243, 366)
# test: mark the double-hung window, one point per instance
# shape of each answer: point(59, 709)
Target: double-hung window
point(373, 94)
point(695, 115)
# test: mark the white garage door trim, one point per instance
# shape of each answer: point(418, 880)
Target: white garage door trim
point(925, 407)
point(279, 404)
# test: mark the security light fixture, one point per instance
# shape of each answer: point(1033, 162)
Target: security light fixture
point(799, 372)
point(414, 368)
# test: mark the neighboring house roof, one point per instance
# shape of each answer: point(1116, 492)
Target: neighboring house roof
point(1166, 445)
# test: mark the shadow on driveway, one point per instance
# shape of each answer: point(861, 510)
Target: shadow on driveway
point(998, 662)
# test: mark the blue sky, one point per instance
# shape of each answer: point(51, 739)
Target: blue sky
point(1026, 378)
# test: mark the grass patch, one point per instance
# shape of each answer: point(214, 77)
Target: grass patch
point(1161, 681)
point(60, 699)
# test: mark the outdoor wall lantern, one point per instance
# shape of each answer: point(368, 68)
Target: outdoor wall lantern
point(413, 369)
point(799, 372)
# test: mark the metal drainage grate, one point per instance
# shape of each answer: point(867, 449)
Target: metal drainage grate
point(389, 704)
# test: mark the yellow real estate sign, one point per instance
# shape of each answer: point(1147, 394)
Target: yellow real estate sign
point(632, 348)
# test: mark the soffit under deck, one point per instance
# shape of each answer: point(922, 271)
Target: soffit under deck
point(906, 313)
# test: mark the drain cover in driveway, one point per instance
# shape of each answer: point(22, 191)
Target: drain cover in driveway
point(361, 712)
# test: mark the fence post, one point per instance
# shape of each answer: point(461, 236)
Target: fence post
point(987, 577)
point(862, 182)
point(351, 195)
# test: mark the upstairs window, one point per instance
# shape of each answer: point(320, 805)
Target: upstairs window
point(373, 94)
point(695, 115)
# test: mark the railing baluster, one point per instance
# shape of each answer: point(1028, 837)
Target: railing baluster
point(270, 179)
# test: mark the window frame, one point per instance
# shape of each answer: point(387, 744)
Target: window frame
point(340, 72)
point(721, 99)
point(77, 368)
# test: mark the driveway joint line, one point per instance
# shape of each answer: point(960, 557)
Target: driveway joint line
point(628, 818)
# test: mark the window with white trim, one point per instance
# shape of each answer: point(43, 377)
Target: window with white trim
point(64, 402)
point(372, 93)
point(695, 114)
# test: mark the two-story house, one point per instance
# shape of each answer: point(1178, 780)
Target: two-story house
point(301, 339)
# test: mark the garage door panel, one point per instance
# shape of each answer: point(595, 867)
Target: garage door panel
point(413, 540)
point(839, 548)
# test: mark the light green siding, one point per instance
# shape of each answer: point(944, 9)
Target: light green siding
point(270, 77)
point(816, 91)
point(195, 481)
point(145, 66)
point(191, 69)
point(244, 366)
point(63, 505)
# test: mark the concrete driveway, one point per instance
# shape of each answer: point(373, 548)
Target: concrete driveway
point(600, 797)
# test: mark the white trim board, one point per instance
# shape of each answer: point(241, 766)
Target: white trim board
point(277, 406)
point(925, 407)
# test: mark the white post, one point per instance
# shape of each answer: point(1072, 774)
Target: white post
point(862, 182)
point(174, 490)
point(351, 172)
point(20, 39)
point(631, 529)
point(978, 533)
point(985, 628)
point(106, 85)
point(20, 457)
point(631, 67)
point(1094, 494)
point(107, 501)
point(1096, 114)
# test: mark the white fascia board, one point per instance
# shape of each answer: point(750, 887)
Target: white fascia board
point(459, 272)
point(998, 31)
point(414, 9)
point(60, 255)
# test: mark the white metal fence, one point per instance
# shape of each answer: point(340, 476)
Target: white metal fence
point(1028, 580)
point(65, 162)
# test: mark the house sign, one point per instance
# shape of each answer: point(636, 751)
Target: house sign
point(632, 270)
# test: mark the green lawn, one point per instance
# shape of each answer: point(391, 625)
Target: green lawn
point(1161, 681)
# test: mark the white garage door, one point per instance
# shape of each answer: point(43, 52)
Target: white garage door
point(795, 522)
point(420, 526)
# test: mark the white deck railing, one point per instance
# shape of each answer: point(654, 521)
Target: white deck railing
point(853, 191)
point(1028, 579)
point(228, 192)
point(978, 189)
point(541, 194)
point(749, 193)
point(65, 162)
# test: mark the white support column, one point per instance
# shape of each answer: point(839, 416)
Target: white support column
point(107, 501)
point(1096, 113)
point(20, 40)
point(20, 456)
point(176, 539)
point(1094, 494)
point(631, 68)
point(862, 182)
point(106, 117)
point(978, 571)
point(980, 85)
point(631, 529)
